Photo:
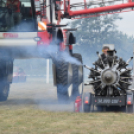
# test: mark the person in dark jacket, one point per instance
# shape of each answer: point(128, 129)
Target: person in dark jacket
point(104, 54)
point(102, 60)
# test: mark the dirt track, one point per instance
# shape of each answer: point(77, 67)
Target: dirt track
point(37, 94)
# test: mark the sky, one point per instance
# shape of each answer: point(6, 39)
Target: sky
point(126, 25)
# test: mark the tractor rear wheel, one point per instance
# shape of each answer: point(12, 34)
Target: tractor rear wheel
point(69, 79)
point(77, 76)
point(64, 74)
point(6, 71)
point(4, 92)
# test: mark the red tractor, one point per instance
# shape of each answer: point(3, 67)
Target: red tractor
point(28, 28)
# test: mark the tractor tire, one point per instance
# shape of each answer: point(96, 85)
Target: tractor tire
point(6, 70)
point(64, 74)
point(77, 77)
point(4, 92)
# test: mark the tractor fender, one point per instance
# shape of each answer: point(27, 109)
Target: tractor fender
point(70, 38)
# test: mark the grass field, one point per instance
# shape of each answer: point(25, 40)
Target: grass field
point(32, 108)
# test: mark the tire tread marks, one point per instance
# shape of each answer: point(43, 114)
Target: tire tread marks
point(76, 80)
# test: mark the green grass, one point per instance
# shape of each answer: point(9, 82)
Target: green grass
point(33, 121)
point(26, 113)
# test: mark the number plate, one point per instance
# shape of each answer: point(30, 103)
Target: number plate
point(115, 101)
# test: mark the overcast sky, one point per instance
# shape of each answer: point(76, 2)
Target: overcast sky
point(127, 23)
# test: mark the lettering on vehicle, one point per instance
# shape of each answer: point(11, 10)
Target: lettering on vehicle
point(10, 35)
point(99, 100)
point(108, 101)
point(115, 101)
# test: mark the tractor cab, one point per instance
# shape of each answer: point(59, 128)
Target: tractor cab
point(17, 16)
point(20, 25)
